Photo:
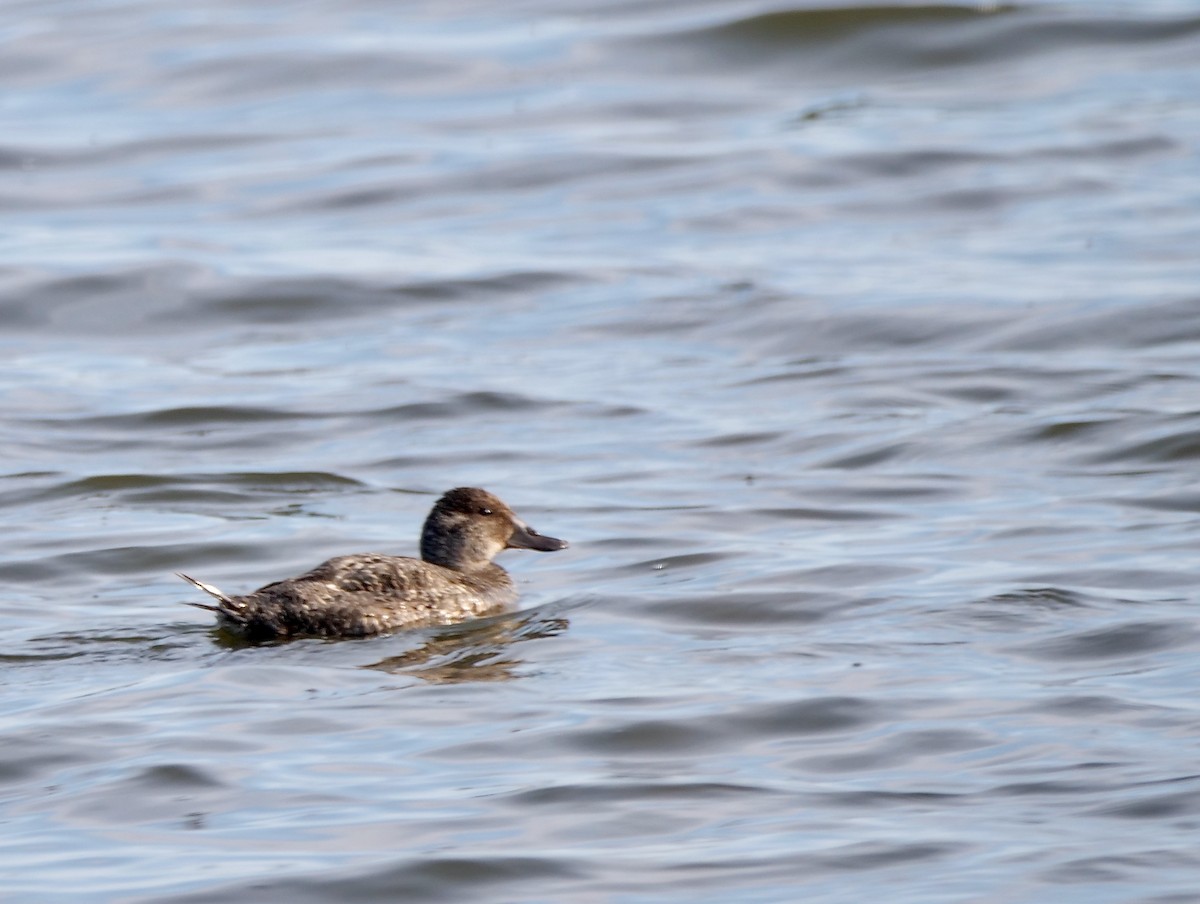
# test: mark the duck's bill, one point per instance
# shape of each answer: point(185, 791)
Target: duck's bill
point(525, 537)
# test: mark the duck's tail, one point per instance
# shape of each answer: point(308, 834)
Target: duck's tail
point(226, 605)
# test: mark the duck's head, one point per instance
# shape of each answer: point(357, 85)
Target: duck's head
point(468, 527)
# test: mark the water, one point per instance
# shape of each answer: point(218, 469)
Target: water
point(855, 349)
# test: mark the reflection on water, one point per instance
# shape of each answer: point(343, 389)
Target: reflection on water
point(478, 651)
point(857, 346)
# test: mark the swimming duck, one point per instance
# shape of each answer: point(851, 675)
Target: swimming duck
point(359, 595)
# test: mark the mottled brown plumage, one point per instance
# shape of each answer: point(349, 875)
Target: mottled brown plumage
point(359, 595)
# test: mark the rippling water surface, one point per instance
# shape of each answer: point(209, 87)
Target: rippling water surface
point(856, 349)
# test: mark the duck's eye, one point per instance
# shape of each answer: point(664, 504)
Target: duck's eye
point(485, 511)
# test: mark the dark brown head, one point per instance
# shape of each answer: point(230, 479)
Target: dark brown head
point(468, 527)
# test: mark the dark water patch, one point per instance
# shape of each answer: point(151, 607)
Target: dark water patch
point(889, 39)
point(844, 576)
point(807, 370)
point(1104, 870)
point(791, 30)
point(654, 738)
point(901, 488)
point(880, 856)
point(163, 795)
point(208, 417)
point(433, 878)
point(868, 458)
point(1051, 599)
point(739, 439)
point(235, 74)
point(995, 385)
point(1135, 579)
point(142, 150)
point(442, 461)
point(114, 304)
point(25, 756)
point(383, 193)
point(1132, 639)
point(819, 716)
point(913, 162)
point(748, 611)
point(941, 165)
point(829, 109)
point(629, 543)
point(1071, 430)
point(1031, 532)
point(823, 443)
point(1051, 788)
point(1117, 149)
point(197, 497)
point(1084, 706)
point(674, 325)
point(1174, 502)
point(300, 725)
point(504, 284)
point(285, 482)
point(897, 750)
point(614, 793)
point(1177, 804)
point(1179, 446)
point(174, 776)
point(683, 562)
point(922, 801)
point(1025, 608)
point(670, 737)
point(499, 176)
point(462, 405)
point(290, 301)
point(155, 488)
point(150, 643)
point(289, 482)
point(617, 411)
point(123, 561)
point(804, 513)
point(586, 172)
point(961, 201)
point(831, 332)
point(1078, 326)
point(35, 658)
point(778, 876)
point(28, 475)
point(283, 301)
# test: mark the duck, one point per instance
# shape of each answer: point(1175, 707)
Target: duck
point(368, 593)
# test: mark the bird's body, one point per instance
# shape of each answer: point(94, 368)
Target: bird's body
point(365, 594)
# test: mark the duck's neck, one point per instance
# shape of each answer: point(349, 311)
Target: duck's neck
point(436, 557)
point(451, 551)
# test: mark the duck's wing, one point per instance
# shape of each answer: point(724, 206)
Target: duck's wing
point(368, 573)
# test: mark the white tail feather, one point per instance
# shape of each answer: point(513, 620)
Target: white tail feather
point(228, 606)
point(207, 588)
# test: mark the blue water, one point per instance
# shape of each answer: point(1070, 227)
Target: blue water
point(855, 349)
